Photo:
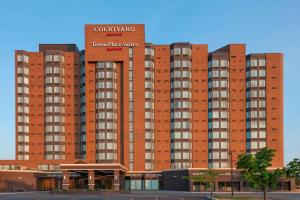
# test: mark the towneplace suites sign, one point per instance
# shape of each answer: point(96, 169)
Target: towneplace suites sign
point(114, 31)
point(114, 44)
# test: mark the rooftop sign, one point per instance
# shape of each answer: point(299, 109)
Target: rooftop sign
point(114, 29)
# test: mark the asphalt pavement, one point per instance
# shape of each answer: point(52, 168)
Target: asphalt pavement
point(137, 195)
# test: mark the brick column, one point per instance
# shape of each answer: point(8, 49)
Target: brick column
point(241, 186)
point(116, 181)
point(191, 186)
point(91, 179)
point(65, 180)
point(217, 186)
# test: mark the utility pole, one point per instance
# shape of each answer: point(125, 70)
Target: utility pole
point(231, 172)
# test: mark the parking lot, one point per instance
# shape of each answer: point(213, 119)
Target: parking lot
point(141, 195)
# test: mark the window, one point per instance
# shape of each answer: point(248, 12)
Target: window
point(149, 74)
point(23, 70)
point(186, 115)
point(262, 62)
point(224, 134)
point(262, 124)
point(213, 115)
point(148, 64)
point(216, 145)
point(223, 73)
point(215, 63)
point(253, 83)
point(224, 114)
point(253, 62)
point(186, 63)
point(253, 73)
point(48, 58)
point(186, 51)
point(186, 84)
point(223, 63)
point(186, 135)
point(213, 125)
point(149, 145)
point(214, 74)
point(223, 83)
point(262, 144)
point(149, 95)
point(130, 53)
point(149, 51)
point(262, 114)
point(149, 105)
point(262, 83)
point(215, 155)
point(262, 93)
point(223, 124)
point(215, 94)
point(186, 74)
point(111, 156)
point(262, 104)
point(224, 155)
point(262, 73)
point(22, 58)
point(253, 114)
point(175, 74)
point(177, 51)
point(262, 134)
point(253, 124)
point(100, 65)
point(186, 94)
point(253, 104)
point(56, 58)
point(215, 84)
point(149, 135)
point(149, 156)
point(111, 146)
point(223, 145)
point(224, 104)
point(253, 145)
point(253, 134)
point(223, 94)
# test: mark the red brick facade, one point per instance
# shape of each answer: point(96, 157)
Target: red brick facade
point(165, 106)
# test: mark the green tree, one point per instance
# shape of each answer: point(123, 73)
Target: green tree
point(292, 169)
point(206, 176)
point(254, 169)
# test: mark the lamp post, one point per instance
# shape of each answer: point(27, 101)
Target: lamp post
point(231, 171)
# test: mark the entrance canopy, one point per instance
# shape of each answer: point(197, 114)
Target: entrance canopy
point(100, 167)
point(93, 176)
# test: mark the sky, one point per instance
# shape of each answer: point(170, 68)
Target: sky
point(263, 25)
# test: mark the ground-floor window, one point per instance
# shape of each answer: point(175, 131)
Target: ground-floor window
point(141, 184)
point(151, 185)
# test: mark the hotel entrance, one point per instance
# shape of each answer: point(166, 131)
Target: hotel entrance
point(105, 177)
point(78, 180)
point(104, 180)
point(49, 182)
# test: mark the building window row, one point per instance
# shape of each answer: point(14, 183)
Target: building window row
point(181, 64)
point(185, 51)
point(23, 70)
point(57, 70)
point(54, 58)
point(256, 62)
point(22, 58)
point(181, 74)
point(218, 63)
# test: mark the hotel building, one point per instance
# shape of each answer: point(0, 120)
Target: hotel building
point(124, 113)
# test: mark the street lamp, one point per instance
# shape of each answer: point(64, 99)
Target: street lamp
point(231, 171)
